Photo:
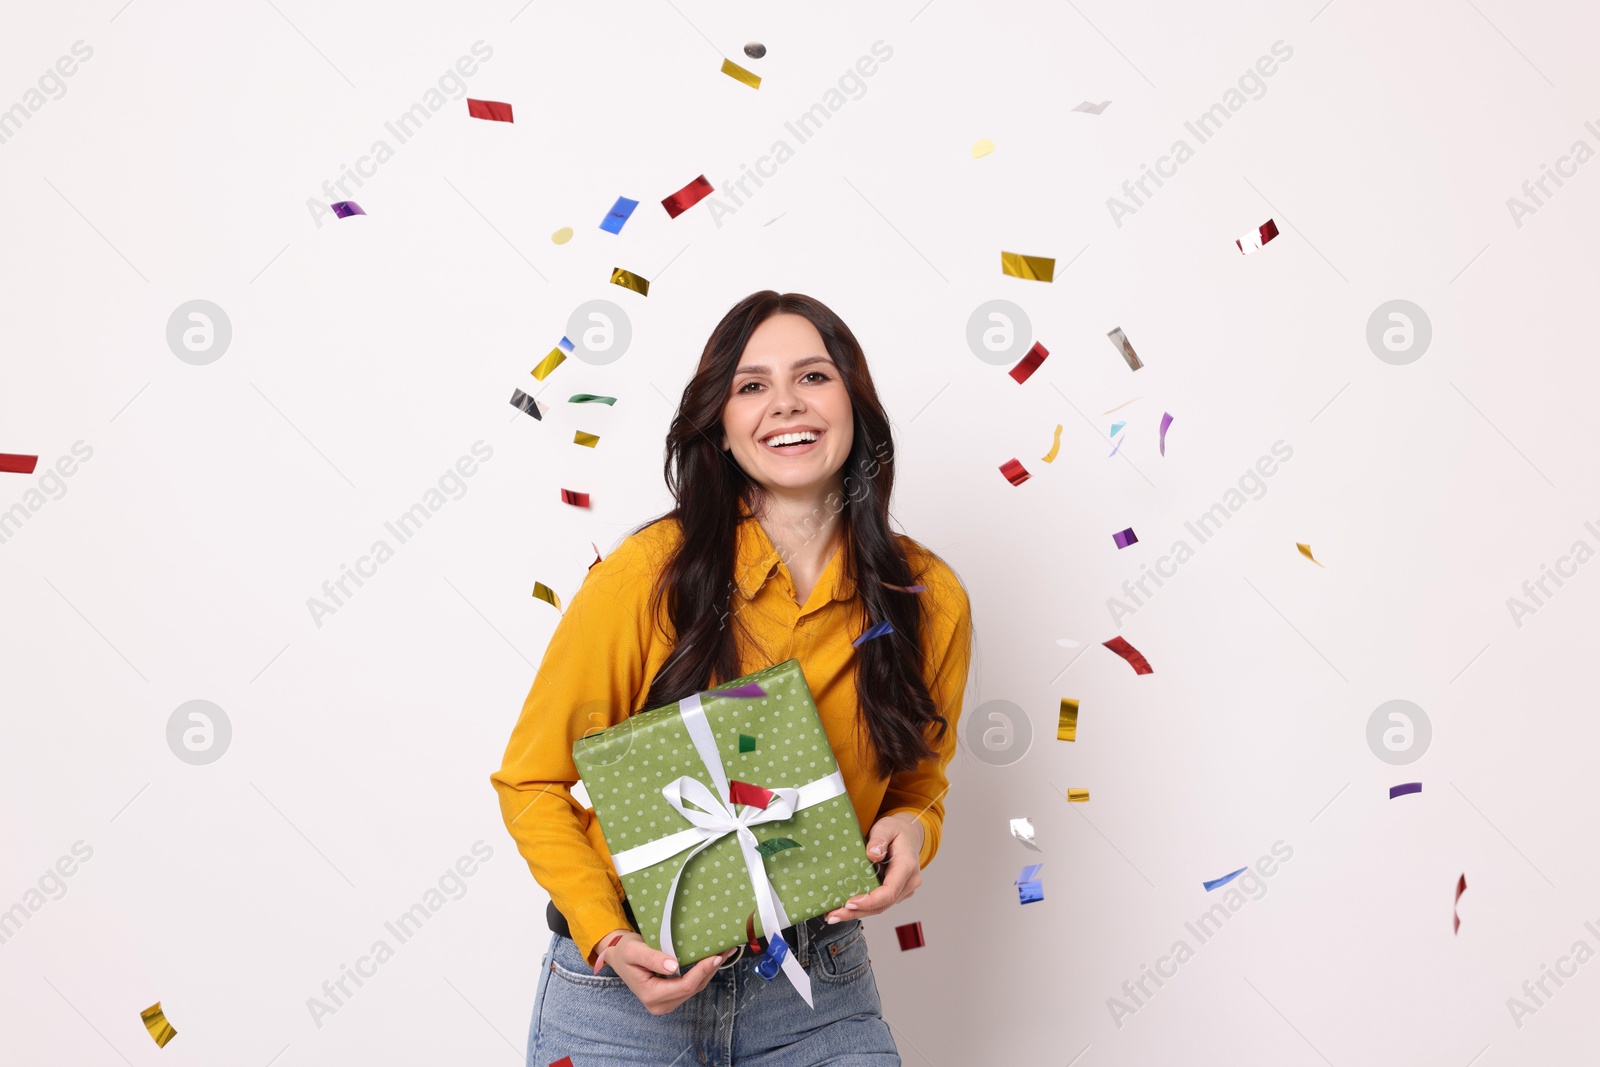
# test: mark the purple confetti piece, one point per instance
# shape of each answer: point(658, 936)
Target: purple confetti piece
point(1166, 420)
point(1224, 880)
point(1124, 538)
point(345, 208)
point(877, 631)
point(751, 690)
point(1114, 451)
point(1404, 788)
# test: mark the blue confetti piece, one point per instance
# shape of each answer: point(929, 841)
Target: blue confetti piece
point(1029, 888)
point(620, 211)
point(1116, 426)
point(877, 631)
point(772, 959)
point(566, 345)
point(1224, 880)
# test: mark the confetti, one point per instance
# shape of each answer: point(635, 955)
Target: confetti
point(629, 280)
point(1014, 472)
point(910, 936)
point(619, 214)
point(877, 630)
point(1030, 363)
point(549, 363)
point(1305, 550)
point(1124, 538)
point(156, 1023)
point(1055, 446)
point(772, 959)
point(590, 398)
point(747, 743)
point(687, 197)
point(1022, 830)
point(588, 440)
point(345, 208)
point(596, 554)
point(580, 500)
point(739, 74)
point(493, 110)
point(546, 594)
point(1461, 887)
point(1166, 420)
point(1092, 109)
point(748, 692)
point(1029, 888)
point(1404, 788)
point(600, 961)
point(11, 463)
point(1033, 268)
point(1120, 340)
point(745, 793)
point(1120, 406)
point(1135, 659)
point(982, 148)
point(774, 845)
point(1077, 796)
point(1216, 883)
point(1116, 426)
point(565, 1061)
point(1117, 449)
point(769, 222)
point(906, 588)
point(755, 50)
point(1067, 723)
point(562, 236)
point(525, 403)
point(1252, 242)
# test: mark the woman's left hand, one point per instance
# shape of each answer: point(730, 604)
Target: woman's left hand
point(898, 837)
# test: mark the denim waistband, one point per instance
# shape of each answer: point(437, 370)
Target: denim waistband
point(558, 924)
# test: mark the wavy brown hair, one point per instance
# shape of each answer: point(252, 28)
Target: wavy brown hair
point(896, 709)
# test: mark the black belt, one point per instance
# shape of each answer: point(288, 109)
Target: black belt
point(558, 923)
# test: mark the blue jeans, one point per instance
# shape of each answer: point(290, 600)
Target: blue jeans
point(739, 1020)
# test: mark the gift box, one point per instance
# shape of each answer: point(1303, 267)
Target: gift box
point(725, 805)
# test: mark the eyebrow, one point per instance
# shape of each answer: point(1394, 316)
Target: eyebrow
point(759, 369)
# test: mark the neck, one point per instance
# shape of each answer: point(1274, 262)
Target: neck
point(803, 527)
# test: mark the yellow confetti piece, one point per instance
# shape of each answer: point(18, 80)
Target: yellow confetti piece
point(1077, 796)
point(1305, 550)
point(546, 594)
point(1067, 726)
point(1033, 268)
point(549, 363)
point(739, 74)
point(588, 440)
point(156, 1023)
point(1055, 446)
point(982, 148)
point(629, 280)
point(562, 236)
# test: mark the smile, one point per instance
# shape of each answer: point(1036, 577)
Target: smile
point(793, 443)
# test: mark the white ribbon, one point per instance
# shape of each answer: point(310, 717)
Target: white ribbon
point(713, 817)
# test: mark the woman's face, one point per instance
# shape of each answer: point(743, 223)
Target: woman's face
point(786, 382)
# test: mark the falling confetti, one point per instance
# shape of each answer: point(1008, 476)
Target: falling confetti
point(1135, 659)
point(526, 404)
point(1305, 550)
point(755, 50)
point(772, 959)
point(629, 280)
point(492, 110)
point(906, 588)
point(1120, 406)
point(562, 236)
point(1116, 449)
point(747, 743)
point(1116, 427)
point(1404, 788)
point(687, 197)
point(1055, 446)
point(739, 74)
point(1124, 538)
point(587, 440)
point(1252, 242)
point(545, 593)
point(982, 148)
point(1166, 420)
point(1067, 723)
point(619, 214)
point(910, 936)
point(1092, 109)
point(1015, 473)
point(1033, 268)
point(877, 630)
point(774, 845)
point(1216, 883)
point(1077, 796)
point(596, 555)
point(156, 1023)
point(745, 793)
point(590, 398)
point(769, 222)
point(549, 363)
point(1022, 830)
point(1030, 363)
point(1461, 887)
point(1120, 340)
point(11, 463)
point(1029, 888)
point(345, 208)
point(599, 962)
point(746, 692)
point(579, 500)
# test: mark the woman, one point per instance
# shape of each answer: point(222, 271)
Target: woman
point(776, 549)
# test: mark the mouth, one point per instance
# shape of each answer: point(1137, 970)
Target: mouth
point(793, 443)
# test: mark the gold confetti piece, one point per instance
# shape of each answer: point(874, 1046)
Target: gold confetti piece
point(1055, 446)
point(1067, 725)
point(156, 1023)
point(1077, 796)
point(982, 148)
point(1305, 550)
point(629, 280)
point(562, 236)
point(739, 74)
point(549, 363)
point(548, 595)
point(588, 440)
point(1033, 268)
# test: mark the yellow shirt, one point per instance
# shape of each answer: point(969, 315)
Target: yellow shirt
point(605, 650)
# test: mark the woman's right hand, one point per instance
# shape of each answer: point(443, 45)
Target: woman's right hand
point(652, 974)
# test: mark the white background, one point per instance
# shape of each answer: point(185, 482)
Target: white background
point(369, 353)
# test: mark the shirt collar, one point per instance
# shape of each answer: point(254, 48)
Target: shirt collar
point(757, 560)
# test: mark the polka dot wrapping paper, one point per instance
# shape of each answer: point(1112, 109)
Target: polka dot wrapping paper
point(625, 767)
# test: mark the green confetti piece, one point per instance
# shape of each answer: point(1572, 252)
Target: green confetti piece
point(776, 844)
point(747, 743)
point(590, 398)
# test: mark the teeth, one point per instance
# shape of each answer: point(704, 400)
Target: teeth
point(792, 438)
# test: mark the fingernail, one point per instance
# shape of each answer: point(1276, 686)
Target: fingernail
point(851, 905)
point(671, 965)
point(833, 918)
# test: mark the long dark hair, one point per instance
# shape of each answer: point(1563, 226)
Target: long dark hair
point(896, 709)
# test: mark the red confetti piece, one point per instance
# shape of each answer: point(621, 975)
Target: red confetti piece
point(687, 197)
point(565, 1061)
point(1015, 473)
point(1461, 887)
point(910, 936)
point(576, 499)
point(600, 958)
point(596, 554)
point(1265, 232)
point(745, 793)
point(489, 109)
point(1135, 658)
point(1030, 363)
point(750, 934)
point(13, 464)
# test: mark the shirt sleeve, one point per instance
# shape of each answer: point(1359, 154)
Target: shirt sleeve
point(591, 676)
point(947, 655)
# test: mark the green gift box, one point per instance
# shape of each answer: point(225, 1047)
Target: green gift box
point(659, 801)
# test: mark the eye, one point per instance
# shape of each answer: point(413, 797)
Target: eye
point(745, 386)
point(820, 374)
